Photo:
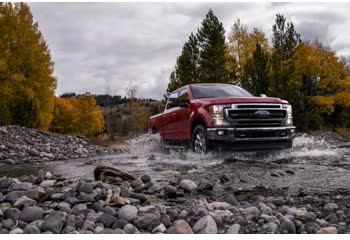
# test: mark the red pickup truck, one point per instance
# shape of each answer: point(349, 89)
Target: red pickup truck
point(211, 115)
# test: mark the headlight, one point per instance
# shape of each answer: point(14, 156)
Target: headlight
point(289, 120)
point(217, 113)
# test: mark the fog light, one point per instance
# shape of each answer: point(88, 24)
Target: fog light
point(221, 133)
point(292, 130)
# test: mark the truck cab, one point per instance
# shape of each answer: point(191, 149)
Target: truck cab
point(226, 116)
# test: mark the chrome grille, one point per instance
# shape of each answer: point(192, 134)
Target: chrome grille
point(256, 115)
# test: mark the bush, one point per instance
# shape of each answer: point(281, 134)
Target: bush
point(5, 116)
point(25, 111)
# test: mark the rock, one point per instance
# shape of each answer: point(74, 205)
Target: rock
point(205, 186)
point(159, 229)
point(188, 185)
point(34, 152)
point(206, 225)
point(254, 211)
point(81, 151)
point(8, 224)
point(54, 222)
point(328, 230)
point(5, 182)
point(107, 220)
point(57, 196)
point(24, 201)
point(14, 195)
point(234, 229)
point(287, 226)
point(12, 213)
point(32, 194)
point(170, 191)
point(332, 218)
point(139, 196)
point(48, 176)
point(265, 209)
point(180, 227)
point(270, 227)
point(86, 187)
point(78, 209)
point(224, 178)
point(16, 231)
point(30, 229)
point(311, 228)
point(146, 179)
point(31, 214)
point(144, 220)
point(330, 207)
point(290, 172)
point(88, 225)
point(47, 183)
point(127, 213)
point(21, 186)
point(130, 229)
point(230, 198)
point(120, 223)
point(219, 205)
point(68, 230)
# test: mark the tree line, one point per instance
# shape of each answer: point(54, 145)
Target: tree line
point(307, 73)
point(28, 84)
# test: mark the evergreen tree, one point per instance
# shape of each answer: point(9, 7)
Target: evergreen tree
point(256, 70)
point(285, 41)
point(212, 49)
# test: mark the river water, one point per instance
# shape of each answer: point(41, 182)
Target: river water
point(317, 162)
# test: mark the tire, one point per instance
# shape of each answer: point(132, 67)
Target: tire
point(199, 141)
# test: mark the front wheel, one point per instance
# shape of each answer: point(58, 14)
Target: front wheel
point(200, 143)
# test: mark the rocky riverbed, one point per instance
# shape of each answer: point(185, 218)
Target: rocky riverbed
point(175, 191)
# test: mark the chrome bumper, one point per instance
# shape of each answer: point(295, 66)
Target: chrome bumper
point(261, 134)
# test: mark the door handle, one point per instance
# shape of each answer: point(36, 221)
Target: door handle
point(173, 114)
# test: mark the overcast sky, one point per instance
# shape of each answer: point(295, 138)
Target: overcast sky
point(95, 45)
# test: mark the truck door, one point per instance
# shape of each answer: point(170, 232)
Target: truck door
point(168, 118)
point(182, 117)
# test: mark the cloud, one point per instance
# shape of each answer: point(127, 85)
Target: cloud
point(98, 44)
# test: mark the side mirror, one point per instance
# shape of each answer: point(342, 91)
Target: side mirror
point(173, 102)
point(184, 103)
point(263, 95)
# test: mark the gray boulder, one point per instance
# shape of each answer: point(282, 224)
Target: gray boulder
point(188, 185)
point(54, 222)
point(127, 213)
point(31, 214)
point(206, 225)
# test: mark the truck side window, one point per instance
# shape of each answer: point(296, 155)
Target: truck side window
point(172, 100)
point(183, 96)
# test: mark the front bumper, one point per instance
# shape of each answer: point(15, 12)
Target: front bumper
point(262, 138)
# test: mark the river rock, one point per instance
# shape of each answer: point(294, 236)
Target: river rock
point(86, 187)
point(206, 225)
point(54, 222)
point(14, 195)
point(180, 227)
point(30, 229)
point(16, 231)
point(8, 223)
point(81, 151)
point(287, 226)
point(234, 229)
point(130, 229)
point(31, 214)
point(78, 209)
point(21, 186)
point(47, 183)
point(127, 213)
point(146, 179)
point(5, 182)
point(144, 220)
point(170, 191)
point(188, 185)
point(24, 201)
point(270, 227)
point(311, 227)
point(330, 207)
point(12, 213)
point(328, 230)
point(107, 220)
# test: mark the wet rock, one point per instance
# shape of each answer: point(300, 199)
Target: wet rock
point(8, 224)
point(332, 218)
point(180, 227)
point(130, 229)
point(12, 213)
point(78, 209)
point(21, 186)
point(68, 230)
point(170, 191)
point(54, 222)
point(120, 223)
point(107, 220)
point(330, 207)
point(86, 187)
point(57, 196)
point(81, 151)
point(188, 185)
point(31, 214)
point(287, 226)
point(47, 183)
point(139, 196)
point(254, 211)
point(203, 186)
point(14, 195)
point(311, 227)
point(34, 152)
point(328, 230)
point(16, 231)
point(224, 178)
point(48, 175)
point(24, 201)
point(146, 179)
point(234, 229)
point(290, 172)
point(270, 227)
point(165, 219)
point(231, 199)
point(205, 225)
point(127, 213)
point(30, 229)
point(144, 220)
point(5, 182)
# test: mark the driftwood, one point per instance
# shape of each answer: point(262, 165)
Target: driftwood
point(101, 173)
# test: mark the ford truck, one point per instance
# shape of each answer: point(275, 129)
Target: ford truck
point(215, 115)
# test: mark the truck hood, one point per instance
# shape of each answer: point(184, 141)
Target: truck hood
point(231, 100)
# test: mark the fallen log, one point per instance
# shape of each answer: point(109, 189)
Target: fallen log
point(101, 173)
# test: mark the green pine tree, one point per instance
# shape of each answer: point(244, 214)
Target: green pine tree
point(211, 41)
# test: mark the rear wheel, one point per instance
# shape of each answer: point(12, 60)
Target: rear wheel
point(200, 143)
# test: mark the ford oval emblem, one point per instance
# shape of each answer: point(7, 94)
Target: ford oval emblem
point(262, 114)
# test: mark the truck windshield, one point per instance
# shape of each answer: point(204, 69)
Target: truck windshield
point(212, 91)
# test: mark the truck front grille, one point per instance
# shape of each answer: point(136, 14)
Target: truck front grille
point(256, 115)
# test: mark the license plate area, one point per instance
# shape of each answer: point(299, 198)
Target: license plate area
point(261, 134)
